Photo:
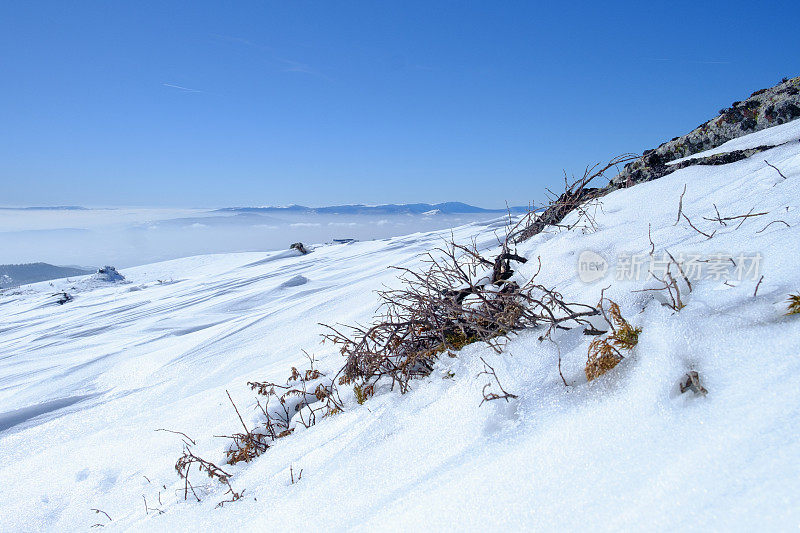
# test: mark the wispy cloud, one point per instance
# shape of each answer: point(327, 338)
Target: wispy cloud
point(711, 62)
point(690, 61)
point(185, 89)
point(289, 65)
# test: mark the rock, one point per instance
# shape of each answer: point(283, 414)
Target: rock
point(109, 273)
point(763, 109)
point(299, 247)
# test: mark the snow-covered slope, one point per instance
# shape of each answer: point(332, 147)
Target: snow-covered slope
point(84, 386)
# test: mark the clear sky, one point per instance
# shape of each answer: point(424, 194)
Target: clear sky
point(207, 103)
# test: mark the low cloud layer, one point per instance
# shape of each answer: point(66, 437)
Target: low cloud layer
point(129, 237)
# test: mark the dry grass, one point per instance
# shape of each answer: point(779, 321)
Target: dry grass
point(606, 352)
point(794, 304)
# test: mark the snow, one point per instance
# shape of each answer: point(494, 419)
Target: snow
point(84, 386)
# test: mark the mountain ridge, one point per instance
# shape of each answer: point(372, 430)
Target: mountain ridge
point(381, 209)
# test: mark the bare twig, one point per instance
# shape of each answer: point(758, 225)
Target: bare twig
point(291, 474)
point(237, 412)
point(178, 433)
point(680, 206)
point(487, 397)
point(680, 269)
point(774, 222)
point(776, 169)
point(697, 230)
point(184, 464)
point(722, 220)
point(100, 511)
point(755, 292)
point(745, 217)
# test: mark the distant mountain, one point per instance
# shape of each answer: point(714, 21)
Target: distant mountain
point(15, 275)
point(446, 208)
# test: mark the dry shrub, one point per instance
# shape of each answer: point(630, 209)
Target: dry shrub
point(461, 298)
point(184, 465)
point(303, 390)
point(606, 352)
point(794, 304)
point(306, 393)
point(575, 195)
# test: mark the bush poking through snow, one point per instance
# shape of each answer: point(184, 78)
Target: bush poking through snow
point(462, 298)
point(306, 397)
point(606, 353)
point(184, 465)
point(794, 304)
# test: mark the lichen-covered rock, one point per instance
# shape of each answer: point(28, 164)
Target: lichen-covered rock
point(763, 109)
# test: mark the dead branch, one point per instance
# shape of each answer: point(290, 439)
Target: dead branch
point(739, 225)
point(680, 206)
point(776, 169)
point(187, 437)
point(670, 286)
point(100, 511)
point(575, 194)
point(755, 292)
point(147, 508)
point(722, 220)
point(237, 412)
point(291, 474)
point(697, 230)
point(488, 397)
point(774, 222)
point(691, 381)
point(680, 269)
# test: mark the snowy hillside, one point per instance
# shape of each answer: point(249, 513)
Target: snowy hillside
point(85, 385)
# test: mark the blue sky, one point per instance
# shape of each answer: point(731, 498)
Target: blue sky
point(254, 103)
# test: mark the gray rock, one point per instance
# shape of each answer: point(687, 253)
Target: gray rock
point(763, 109)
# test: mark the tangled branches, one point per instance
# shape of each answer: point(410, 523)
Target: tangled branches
point(304, 398)
point(461, 298)
point(184, 465)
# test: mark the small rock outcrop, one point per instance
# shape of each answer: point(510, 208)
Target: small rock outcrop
point(763, 109)
point(108, 273)
point(299, 247)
